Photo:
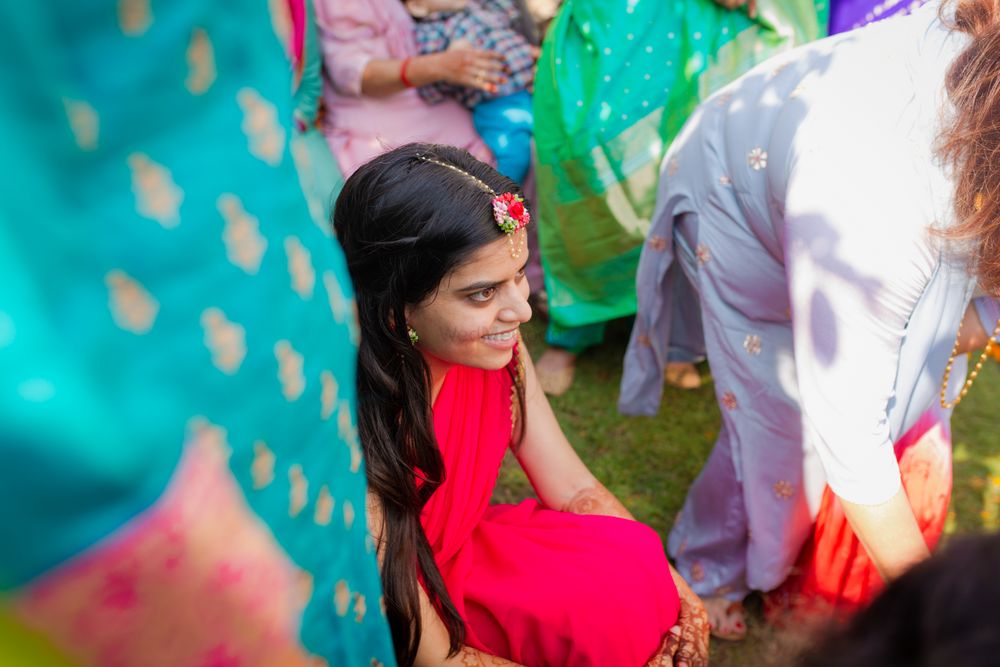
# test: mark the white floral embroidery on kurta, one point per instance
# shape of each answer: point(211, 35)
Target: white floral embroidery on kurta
point(752, 344)
point(757, 159)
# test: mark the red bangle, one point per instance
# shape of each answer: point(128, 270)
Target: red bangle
point(402, 73)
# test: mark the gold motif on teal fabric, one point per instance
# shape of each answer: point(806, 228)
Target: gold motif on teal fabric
point(290, 364)
point(300, 267)
point(83, 123)
point(338, 304)
point(264, 133)
point(134, 16)
point(324, 507)
point(348, 431)
point(281, 21)
point(307, 176)
point(348, 514)
point(328, 394)
point(302, 162)
point(262, 467)
point(341, 598)
point(157, 197)
point(245, 245)
point(225, 340)
point(360, 608)
point(298, 490)
point(304, 588)
point(345, 311)
point(211, 438)
point(132, 307)
point(201, 63)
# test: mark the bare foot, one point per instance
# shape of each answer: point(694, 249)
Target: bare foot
point(682, 374)
point(727, 619)
point(555, 370)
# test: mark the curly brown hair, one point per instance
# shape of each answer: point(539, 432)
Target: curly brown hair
point(970, 142)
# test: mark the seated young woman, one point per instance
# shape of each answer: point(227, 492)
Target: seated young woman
point(436, 245)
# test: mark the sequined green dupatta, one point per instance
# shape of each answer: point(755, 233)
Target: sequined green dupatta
point(615, 83)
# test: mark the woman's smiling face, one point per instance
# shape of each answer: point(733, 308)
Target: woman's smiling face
point(473, 317)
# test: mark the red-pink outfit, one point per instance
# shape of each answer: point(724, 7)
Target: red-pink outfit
point(359, 127)
point(534, 585)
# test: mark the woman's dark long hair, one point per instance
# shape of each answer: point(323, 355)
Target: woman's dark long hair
point(405, 221)
point(971, 141)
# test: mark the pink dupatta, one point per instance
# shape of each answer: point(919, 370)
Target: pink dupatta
point(534, 585)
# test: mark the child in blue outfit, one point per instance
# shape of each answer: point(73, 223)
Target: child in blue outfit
point(503, 116)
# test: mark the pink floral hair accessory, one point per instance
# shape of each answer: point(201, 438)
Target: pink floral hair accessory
point(510, 213)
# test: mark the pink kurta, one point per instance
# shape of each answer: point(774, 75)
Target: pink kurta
point(534, 585)
point(360, 127)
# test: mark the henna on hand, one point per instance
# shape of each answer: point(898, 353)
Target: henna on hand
point(692, 642)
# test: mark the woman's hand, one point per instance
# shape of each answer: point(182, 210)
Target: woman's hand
point(460, 65)
point(686, 644)
point(463, 65)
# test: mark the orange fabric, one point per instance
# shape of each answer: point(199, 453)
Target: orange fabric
point(834, 573)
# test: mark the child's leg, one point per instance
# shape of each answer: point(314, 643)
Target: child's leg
point(505, 124)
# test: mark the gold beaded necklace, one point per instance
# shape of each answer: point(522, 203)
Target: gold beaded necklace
point(945, 403)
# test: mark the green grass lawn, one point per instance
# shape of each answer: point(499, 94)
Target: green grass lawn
point(649, 462)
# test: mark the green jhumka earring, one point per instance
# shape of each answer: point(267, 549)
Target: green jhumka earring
point(413, 335)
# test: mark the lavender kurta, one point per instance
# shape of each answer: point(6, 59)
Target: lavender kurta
point(798, 202)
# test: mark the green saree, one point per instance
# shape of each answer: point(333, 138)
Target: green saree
point(616, 82)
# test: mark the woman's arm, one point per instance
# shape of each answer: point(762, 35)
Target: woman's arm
point(889, 533)
point(562, 481)
point(559, 477)
point(355, 51)
point(461, 66)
